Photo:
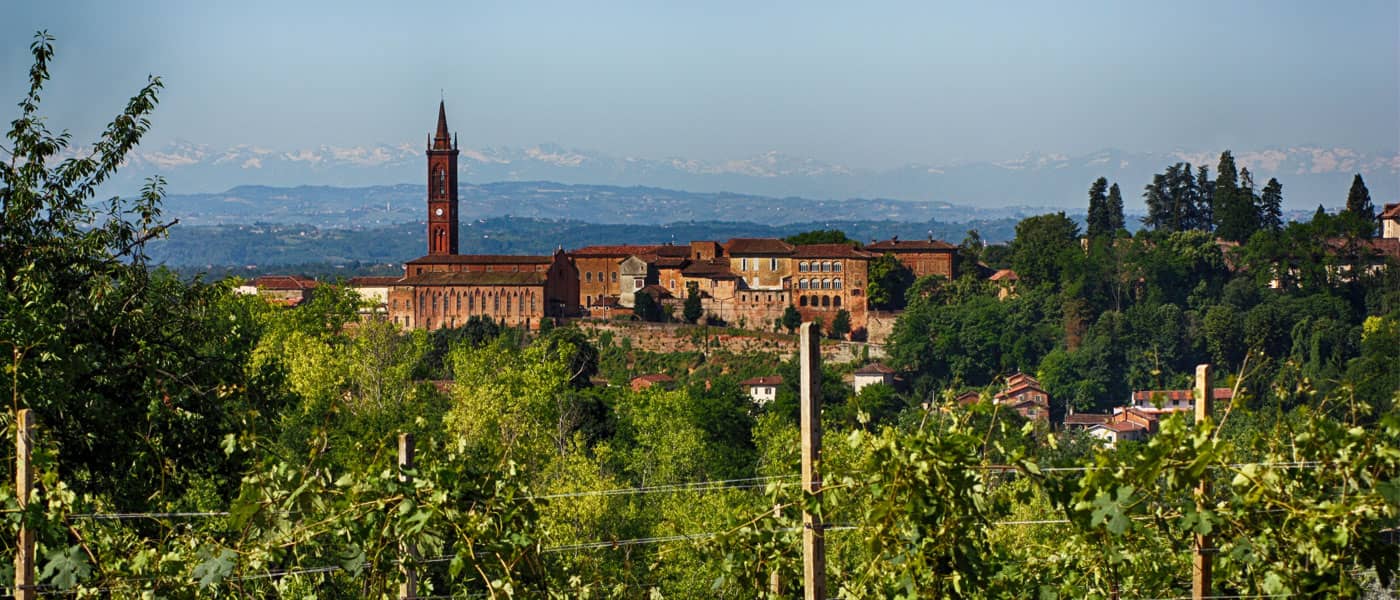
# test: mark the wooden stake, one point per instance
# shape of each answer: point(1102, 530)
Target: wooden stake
point(775, 582)
point(409, 588)
point(1201, 563)
point(813, 542)
point(24, 486)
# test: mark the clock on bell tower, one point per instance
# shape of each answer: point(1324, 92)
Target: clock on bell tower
point(442, 189)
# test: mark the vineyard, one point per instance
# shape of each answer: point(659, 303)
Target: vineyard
point(176, 440)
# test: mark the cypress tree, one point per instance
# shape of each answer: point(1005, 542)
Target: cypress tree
point(1359, 208)
point(1271, 206)
point(1115, 208)
point(1098, 220)
point(1205, 200)
point(1154, 195)
point(1223, 192)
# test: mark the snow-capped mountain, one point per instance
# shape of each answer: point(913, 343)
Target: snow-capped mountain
point(1310, 175)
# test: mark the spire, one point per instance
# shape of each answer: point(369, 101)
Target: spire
point(442, 140)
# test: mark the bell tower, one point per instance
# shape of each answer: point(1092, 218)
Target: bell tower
point(442, 189)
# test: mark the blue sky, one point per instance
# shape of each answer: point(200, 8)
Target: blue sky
point(868, 86)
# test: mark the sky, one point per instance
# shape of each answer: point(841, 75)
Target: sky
point(869, 85)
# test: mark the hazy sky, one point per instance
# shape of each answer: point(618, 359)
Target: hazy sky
point(928, 82)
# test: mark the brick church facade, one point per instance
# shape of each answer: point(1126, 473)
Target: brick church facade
point(445, 289)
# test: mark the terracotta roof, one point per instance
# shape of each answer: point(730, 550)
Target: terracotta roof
point(482, 259)
point(618, 251)
point(1139, 396)
point(654, 378)
point(763, 246)
point(284, 282)
point(1005, 274)
point(1379, 247)
point(898, 245)
point(373, 281)
point(670, 261)
point(1122, 426)
point(874, 369)
point(1391, 211)
point(832, 251)
point(969, 397)
point(712, 269)
point(770, 380)
point(670, 250)
point(1086, 418)
point(656, 291)
point(475, 278)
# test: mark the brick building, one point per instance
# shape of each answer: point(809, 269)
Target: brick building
point(829, 278)
point(445, 289)
point(923, 257)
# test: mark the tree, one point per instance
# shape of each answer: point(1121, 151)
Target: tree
point(1359, 207)
point(1235, 215)
point(1115, 208)
point(1099, 222)
point(841, 324)
point(791, 318)
point(1271, 206)
point(646, 308)
point(889, 281)
point(692, 311)
point(970, 251)
point(135, 376)
point(1044, 246)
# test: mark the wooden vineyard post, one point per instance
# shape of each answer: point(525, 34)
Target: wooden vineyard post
point(1201, 563)
point(24, 486)
point(409, 588)
point(813, 540)
point(775, 582)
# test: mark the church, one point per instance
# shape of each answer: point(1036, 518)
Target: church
point(444, 289)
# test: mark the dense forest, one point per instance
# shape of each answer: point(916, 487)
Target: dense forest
point(196, 443)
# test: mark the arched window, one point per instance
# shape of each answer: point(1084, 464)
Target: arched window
point(459, 300)
point(826, 301)
point(802, 284)
point(836, 283)
point(600, 277)
point(422, 302)
point(802, 301)
point(532, 302)
point(826, 266)
point(836, 266)
point(826, 284)
point(471, 302)
point(520, 304)
point(802, 267)
point(495, 303)
point(836, 301)
point(442, 182)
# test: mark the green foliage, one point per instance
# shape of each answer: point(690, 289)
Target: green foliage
point(692, 310)
point(889, 282)
point(1099, 221)
point(646, 308)
point(1045, 247)
point(841, 324)
point(1359, 207)
point(791, 319)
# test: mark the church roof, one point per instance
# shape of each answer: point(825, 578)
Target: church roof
point(482, 259)
point(470, 278)
point(617, 251)
point(442, 140)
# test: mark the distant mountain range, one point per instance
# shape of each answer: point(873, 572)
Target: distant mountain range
point(1310, 175)
point(377, 206)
